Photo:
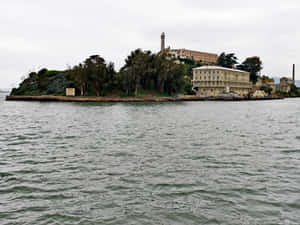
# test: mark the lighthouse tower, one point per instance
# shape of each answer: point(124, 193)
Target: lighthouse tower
point(163, 39)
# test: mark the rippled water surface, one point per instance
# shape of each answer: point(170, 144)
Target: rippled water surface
point(150, 163)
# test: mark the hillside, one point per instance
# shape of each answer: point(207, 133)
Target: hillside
point(45, 82)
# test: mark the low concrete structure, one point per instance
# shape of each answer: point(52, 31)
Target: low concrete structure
point(213, 81)
point(265, 82)
point(285, 85)
point(70, 92)
point(259, 94)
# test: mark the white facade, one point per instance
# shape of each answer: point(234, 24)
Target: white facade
point(70, 92)
point(215, 80)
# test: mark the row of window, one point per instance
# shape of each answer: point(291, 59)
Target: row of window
point(215, 72)
point(219, 83)
point(209, 78)
point(208, 72)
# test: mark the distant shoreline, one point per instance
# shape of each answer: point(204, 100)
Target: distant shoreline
point(125, 99)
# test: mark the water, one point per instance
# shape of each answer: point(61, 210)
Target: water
point(150, 163)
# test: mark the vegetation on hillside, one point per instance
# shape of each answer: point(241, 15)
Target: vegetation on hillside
point(43, 82)
point(143, 72)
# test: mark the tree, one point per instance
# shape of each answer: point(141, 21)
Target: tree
point(252, 65)
point(189, 65)
point(79, 77)
point(42, 79)
point(294, 91)
point(93, 76)
point(137, 66)
point(147, 71)
point(227, 60)
point(95, 67)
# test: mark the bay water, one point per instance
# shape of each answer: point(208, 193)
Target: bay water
point(150, 163)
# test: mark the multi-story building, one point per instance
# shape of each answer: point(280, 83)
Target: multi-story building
point(214, 81)
point(205, 58)
point(285, 84)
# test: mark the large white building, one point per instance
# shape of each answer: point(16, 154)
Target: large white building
point(215, 80)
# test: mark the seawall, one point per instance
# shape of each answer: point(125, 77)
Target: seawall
point(125, 99)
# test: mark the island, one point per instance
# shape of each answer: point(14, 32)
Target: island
point(169, 75)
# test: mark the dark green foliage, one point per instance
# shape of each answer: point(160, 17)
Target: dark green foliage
point(94, 76)
point(227, 60)
point(143, 70)
point(51, 73)
point(39, 83)
point(43, 71)
point(189, 65)
point(57, 84)
point(294, 91)
point(147, 71)
point(28, 87)
point(188, 86)
point(33, 74)
point(252, 65)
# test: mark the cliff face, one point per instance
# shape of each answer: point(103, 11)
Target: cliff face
point(48, 83)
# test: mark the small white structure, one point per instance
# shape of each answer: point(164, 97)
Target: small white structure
point(259, 94)
point(70, 91)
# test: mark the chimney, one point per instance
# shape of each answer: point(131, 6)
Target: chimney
point(294, 73)
point(163, 36)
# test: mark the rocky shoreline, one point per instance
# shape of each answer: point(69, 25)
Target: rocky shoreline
point(127, 99)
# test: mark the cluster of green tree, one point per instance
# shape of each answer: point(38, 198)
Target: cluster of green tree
point(93, 77)
point(253, 65)
point(143, 72)
point(147, 71)
point(294, 91)
point(189, 65)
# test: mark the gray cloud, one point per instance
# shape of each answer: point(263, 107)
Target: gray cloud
point(55, 34)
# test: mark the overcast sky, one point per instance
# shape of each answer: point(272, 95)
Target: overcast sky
point(58, 33)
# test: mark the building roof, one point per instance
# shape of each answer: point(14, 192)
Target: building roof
point(217, 68)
